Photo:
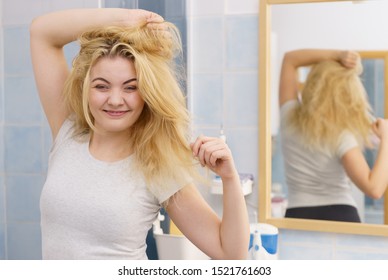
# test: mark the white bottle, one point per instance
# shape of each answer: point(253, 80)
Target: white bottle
point(258, 252)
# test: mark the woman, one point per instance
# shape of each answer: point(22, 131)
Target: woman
point(121, 149)
point(324, 133)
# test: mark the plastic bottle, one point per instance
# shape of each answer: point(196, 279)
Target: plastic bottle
point(258, 252)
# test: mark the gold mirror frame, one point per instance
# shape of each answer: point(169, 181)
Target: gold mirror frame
point(265, 172)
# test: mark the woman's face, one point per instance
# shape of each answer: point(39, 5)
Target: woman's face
point(114, 99)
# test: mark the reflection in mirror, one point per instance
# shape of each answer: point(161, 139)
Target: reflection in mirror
point(283, 28)
point(373, 78)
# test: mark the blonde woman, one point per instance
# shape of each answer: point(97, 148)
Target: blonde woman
point(323, 134)
point(121, 146)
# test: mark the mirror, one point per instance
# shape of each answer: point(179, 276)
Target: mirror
point(273, 44)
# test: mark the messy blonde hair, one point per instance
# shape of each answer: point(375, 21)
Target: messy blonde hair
point(333, 100)
point(160, 137)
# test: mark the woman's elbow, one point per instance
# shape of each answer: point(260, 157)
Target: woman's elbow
point(376, 192)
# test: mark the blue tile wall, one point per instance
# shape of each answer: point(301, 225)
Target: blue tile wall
point(240, 29)
point(129, 4)
point(23, 149)
point(25, 138)
point(241, 99)
point(2, 186)
point(207, 99)
point(2, 218)
point(175, 8)
point(22, 101)
point(1, 95)
point(2, 200)
point(207, 47)
point(155, 6)
point(23, 193)
point(1, 148)
point(2, 241)
point(16, 51)
point(24, 241)
point(243, 144)
point(224, 89)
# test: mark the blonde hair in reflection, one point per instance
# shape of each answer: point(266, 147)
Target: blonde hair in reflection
point(161, 135)
point(333, 100)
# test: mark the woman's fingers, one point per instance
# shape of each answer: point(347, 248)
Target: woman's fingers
point(154, 18)
point(349, 59)
point(208, 150)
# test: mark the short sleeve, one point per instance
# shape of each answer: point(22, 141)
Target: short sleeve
point(64, 133)
point(162, 194)
point(286, 108)
point(347, 141)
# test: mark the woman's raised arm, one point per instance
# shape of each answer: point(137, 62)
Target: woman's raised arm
point(51, 32)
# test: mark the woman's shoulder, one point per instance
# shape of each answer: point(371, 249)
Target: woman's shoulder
point(289, 104)
point(287, 107)
point(346, 141)
point(65, 132)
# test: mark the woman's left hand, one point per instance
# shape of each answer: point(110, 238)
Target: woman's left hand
point(215, 154)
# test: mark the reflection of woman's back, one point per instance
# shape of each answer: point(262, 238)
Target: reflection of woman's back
point(328, 120)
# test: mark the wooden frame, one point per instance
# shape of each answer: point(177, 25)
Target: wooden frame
point(264, 172)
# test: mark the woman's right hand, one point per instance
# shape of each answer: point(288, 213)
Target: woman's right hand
point(380, 128)
point(139, 16)
point(349, 59)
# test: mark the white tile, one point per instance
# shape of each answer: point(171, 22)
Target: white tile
point(18, 12)
point(93, 3)
point(242, 108)
point(56, 5)
point(242, 7)
point(205, 7)
point(206, 46)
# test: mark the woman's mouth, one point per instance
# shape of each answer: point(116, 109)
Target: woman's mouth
point(115, 113)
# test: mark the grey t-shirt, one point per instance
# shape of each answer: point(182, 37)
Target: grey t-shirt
point(91, 209)
point(314, 178)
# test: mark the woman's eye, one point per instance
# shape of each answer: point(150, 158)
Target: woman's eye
point(101, 87)
point(130, 88)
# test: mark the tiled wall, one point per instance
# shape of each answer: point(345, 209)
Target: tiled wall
point(24, 134)
point(2, 189)
point(223, 86)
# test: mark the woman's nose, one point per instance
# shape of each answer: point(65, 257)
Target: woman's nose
point(116, 98)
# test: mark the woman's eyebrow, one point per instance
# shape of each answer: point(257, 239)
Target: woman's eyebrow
point(130, 80)
point(100, 79)
point(106, 81)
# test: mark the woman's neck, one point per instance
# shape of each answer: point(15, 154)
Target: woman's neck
point(110, 147)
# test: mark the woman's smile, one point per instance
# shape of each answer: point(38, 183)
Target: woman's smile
point(115, 113)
